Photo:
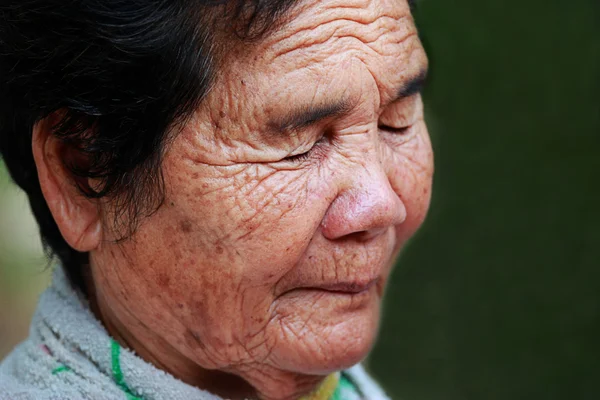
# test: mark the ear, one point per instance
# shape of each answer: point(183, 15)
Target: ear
point(77, 217)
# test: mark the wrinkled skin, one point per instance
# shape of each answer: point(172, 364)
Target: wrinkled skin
point(231, 284)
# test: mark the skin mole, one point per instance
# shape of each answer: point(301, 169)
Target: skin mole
point(163, 280)
point(186, 226)
point(192, 339)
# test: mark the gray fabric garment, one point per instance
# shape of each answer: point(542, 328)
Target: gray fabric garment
point(69, 355)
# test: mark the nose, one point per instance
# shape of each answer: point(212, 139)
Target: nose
point(366, 208)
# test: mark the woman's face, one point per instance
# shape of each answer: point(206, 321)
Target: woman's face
point(289, 194)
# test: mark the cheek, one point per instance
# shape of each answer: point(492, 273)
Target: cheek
point(211, 256)
point(411, 177)
point(260, 219)
point(223, 234)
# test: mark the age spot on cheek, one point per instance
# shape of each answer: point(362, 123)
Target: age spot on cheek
point(186, 226)
point(163, 280)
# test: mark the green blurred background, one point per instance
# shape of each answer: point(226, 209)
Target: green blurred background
point(498, 296)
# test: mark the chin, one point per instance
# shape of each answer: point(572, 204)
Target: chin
point(331, 340)
point(350, 348)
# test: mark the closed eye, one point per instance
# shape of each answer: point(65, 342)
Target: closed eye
point(298, 157)
point(398, 131)
point(399, 117)
point(304, 155)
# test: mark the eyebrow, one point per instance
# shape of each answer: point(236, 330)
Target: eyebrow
point(309, 114)
point(413, 86)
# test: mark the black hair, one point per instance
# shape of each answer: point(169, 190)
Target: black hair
point(120, 74)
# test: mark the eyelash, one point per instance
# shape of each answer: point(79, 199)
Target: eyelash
point(297, 158)
point(396, 131)
point(302, 156)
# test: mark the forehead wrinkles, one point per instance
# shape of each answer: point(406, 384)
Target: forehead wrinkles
point(374, 23)
point(376, 33)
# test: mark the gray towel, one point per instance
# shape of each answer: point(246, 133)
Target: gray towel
point(69, 355)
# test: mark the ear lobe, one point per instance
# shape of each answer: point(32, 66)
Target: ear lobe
point(77, 217)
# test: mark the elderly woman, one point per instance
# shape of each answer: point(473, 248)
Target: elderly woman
point(226, 185)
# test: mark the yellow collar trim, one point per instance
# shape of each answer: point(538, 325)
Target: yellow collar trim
point(326, 389)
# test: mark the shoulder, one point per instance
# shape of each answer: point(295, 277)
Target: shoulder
point(18, 380)
point(28, 374)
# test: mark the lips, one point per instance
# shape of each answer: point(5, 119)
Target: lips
point(353, 287)
point(340, 268)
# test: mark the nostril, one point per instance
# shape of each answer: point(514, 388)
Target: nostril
point(365, 236)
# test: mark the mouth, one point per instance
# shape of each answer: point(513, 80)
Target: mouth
point(356, 295)
point(347, 288)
